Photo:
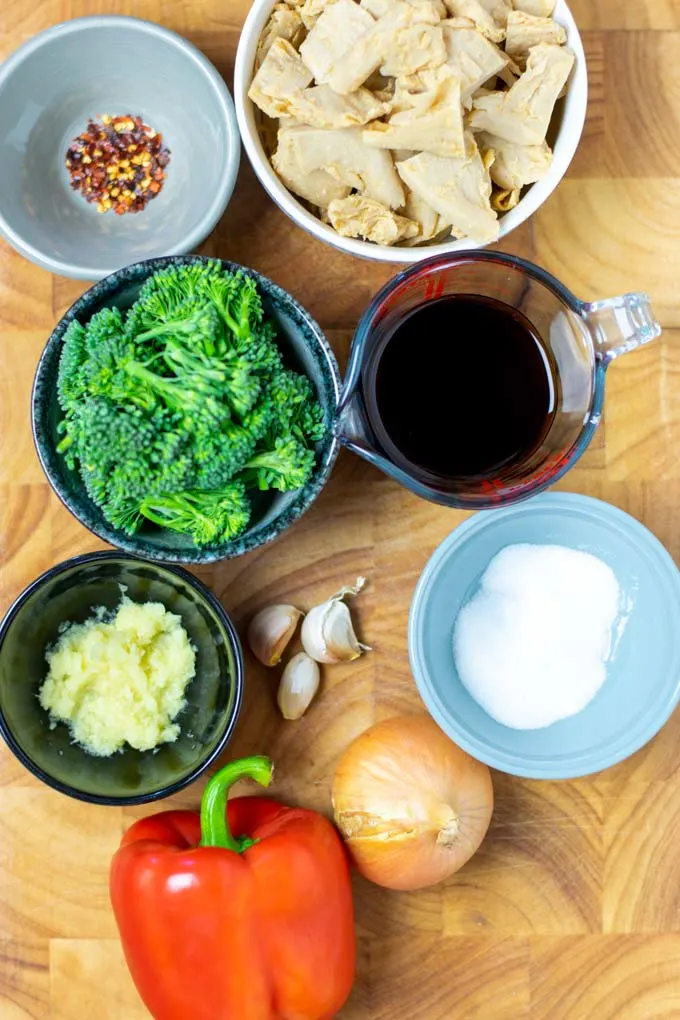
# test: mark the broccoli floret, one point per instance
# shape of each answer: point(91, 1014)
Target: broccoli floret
point(287, 466)
point(219, 455)
point(208, 516)
point(296, 408)
point(73, 356)
point(174, 302)
point(124, 454)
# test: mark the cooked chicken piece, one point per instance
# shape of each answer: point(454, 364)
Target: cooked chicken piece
point(498, 9)
point(524, 31)
point(316, 186)
point(334, 34)
point(321, 107)
point(282, 73)
point(473, 57)
point(504, 201)
point(358, 64)
point(427, 11)
point(436, 128)
point(358, 216)
point(408, 48)
point(509, 74)
point(522, 114)
point(539, 8)
point(284, 23)
point(428, 220)
point(345, 157)
point(515, 165)
point(411, 93)
point(311, 11)
point(473, 10)
point(458, 189)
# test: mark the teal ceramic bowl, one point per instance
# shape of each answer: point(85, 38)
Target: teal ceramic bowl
point(305, 349)
point(68, 593)
point(643, 682)
point(106, 64)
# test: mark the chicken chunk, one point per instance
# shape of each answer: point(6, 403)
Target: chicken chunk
point(459, 189)
point(522, 114)
point(358, 216)
point(473, 58)
point(285, 23)
point(428, 219)
point(427, 11)
point(408, 48)
point(357, 65)
point(343, 155)
point(473, 10)
point(321, 107)
point(525, 31)
point(498, 9)
point(436, 127)
point(316, 186)
point(333, 36)
point(504, 201)
point(514, 166)
point(311, 11)
point(539, 8)
point(281, 75)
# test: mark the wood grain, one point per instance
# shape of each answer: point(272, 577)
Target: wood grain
point(571, 909)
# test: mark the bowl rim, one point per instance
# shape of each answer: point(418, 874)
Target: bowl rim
point(566, 145)
point(559, 767)
point(222, 196)
point(239, 679)
point(100, 291)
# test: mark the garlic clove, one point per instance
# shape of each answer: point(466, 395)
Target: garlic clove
point(299, 683)
point(328, 632)
point(270, 631)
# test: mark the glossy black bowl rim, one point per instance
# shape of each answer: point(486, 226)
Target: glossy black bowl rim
point(107, 288)
point(213, 602)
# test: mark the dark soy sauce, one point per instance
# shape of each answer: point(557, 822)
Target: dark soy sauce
point(462, 387)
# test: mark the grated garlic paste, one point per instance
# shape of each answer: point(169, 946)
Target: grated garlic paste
point(120, 680)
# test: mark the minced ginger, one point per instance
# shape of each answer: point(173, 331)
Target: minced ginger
point(120, 680)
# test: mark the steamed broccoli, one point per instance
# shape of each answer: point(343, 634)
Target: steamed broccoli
point(174, 409)
point(286, 466)
point(208, 515)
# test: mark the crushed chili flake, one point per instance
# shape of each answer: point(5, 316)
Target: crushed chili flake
point(118, 163)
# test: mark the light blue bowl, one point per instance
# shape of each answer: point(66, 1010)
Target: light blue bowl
point(643, 680)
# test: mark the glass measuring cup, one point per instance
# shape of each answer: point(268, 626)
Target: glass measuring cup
point(581, 339)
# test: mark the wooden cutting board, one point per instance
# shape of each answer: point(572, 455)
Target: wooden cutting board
point(571, 910)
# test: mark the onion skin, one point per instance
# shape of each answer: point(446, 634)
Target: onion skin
point(412, 806)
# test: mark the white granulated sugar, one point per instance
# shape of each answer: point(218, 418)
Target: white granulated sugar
point(532, 645)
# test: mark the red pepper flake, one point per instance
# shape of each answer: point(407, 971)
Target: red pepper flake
point(118, 163)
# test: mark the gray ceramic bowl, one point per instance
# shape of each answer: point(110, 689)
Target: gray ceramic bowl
point(68, 592)
point(53, 84)
point(305, 349)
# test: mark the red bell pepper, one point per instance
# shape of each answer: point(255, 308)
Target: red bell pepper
point(257, 926)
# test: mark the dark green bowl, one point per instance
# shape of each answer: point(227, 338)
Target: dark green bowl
point(69, 592)
point(305, 349)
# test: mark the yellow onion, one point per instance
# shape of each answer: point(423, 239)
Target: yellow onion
point(412, 806)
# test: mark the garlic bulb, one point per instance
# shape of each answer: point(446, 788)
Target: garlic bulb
point(299, 684)
point(270, 631)
point(327, 631)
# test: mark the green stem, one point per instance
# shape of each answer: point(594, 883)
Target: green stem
point(214, 826)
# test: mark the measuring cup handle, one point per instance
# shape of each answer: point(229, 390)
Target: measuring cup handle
point(621, 324)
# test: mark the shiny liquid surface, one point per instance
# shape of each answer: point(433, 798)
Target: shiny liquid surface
point(462, 387)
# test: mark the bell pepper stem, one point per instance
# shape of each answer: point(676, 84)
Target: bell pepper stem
point(215, 829)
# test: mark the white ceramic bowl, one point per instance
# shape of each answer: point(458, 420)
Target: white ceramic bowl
point(570, 119)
